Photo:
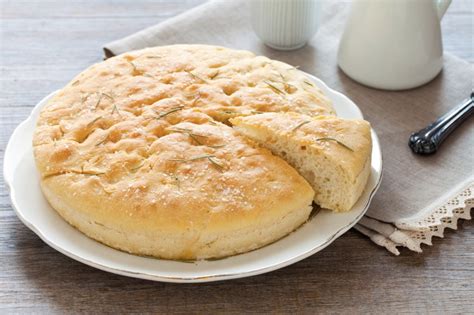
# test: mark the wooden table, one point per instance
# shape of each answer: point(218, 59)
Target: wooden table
point(43, 45)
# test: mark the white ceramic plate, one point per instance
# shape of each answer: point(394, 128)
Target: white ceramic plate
point(34, 211)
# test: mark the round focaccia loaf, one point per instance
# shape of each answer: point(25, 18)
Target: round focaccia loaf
point(133, 153)
point(332, 153)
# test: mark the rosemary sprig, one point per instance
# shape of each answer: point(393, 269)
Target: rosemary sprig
point(282, 77)
point(169, 111)
point(115, 109)
point(195, 137)
point(101, 94)
point(98, 101)
point(217, 146)
point(211, 158)
point(84, 98)
point(102, 141)
point(180, 130)
point(300, 124)
point(198, 157)
point(93, 121)
point(228, 111)
point(134, 66)
point(108, 96)
point(337, 141)
point(195, 76)
point(92, 173)
point(136, 168)
point(215, 162)
point(274, 88)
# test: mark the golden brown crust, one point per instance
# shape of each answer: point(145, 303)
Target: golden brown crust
point(135, 144)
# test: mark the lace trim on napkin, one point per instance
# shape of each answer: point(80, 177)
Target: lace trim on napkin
point(434, 214)
point(424, 228)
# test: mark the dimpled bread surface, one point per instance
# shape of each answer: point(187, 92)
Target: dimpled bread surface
point(135, 152)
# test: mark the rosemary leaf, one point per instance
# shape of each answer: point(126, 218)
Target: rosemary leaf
point(93, 121)
point(92, 173)
point(198, 157)
point(286, 84)
point(84, 98)
point(180, 130)
point(136, 168)
point(215, 162)
point(211, 158)
point(228, 111)
point(115, 109)
point(274, 88)
point(337, 141)
point(214, 75)
point(134, 66)
point(196, 77)
point(300, 124)
point(204, 156)
point(98, 101)
point(102, 141)
point(108, 96)
point(166, 113)
point(309, 83)
point(217, 146)
point(195, 137)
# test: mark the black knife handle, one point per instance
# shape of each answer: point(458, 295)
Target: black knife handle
point(428, 140)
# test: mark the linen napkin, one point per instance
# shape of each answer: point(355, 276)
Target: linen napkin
point(420, 196)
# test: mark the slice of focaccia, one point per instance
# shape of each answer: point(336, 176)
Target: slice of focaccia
point(333, 154)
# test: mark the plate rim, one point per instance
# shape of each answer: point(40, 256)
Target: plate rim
point(9, 174)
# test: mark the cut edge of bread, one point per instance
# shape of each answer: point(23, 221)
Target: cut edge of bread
point(335, 188)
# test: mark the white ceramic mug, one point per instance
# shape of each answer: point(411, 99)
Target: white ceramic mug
point(393, 45)
point(285, 24)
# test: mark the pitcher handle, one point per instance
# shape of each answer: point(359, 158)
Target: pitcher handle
point(442, 6)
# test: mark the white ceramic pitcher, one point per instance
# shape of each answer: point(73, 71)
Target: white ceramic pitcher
point(393, 44)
